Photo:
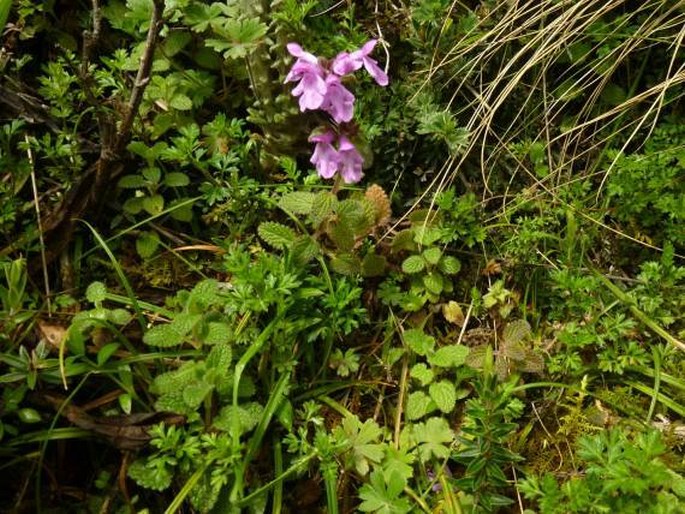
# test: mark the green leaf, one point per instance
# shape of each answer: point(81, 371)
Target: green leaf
point(418, 405)
point(323, 206)
point(176, 179)
point(363, 440)
point(433, 282)
point(276, 235)
point(217, 333)
point(384, 497)
point(152, 174)
point(298, 202)
point(153, 474)
point(345, 264)
point(413, 264)
point(449, 265)
point(195, 393)
point(181, 102)
point(5, 6)
point(342, 235)
point(433, 438)
point(153, 204)
point(106, 352)
point(444, 395)
point(147, 244)
point(449, 356)
point(304, 249)
point(131, 182)
point(96, 292)
point(184, 213)
point(248, 414)
point(418, 341)
point(133, 205)
point(374, 265)
point(516, 331)
point(422, 373)
point(432, 255)
point(425, 235)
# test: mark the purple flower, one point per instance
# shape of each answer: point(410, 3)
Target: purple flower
point(350, 161)
point(325, 157)
point(338, 102)
point(346, 160)
point(312, 87)
point(346, 63)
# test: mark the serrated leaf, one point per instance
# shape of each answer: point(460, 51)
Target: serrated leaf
point(426, 235)
point(180, 102)
point(131, 182)
point(342, 236)
point(152, 174)
point(422, 373)
point(515, 351)
point(345, 264)
point(147, 244)
point(373, 265)
point(298, 202)
point(419, 342)
point(432, 255)
point(133, 205)
point(413, 264)
point(516, 331)
point(449, 265)
point(304, 249)
point(433, 282)
point(476, 356)
point(533, 363)
point(217, 333)
point(155, 475)
point(248, 414)
point(153, 204)
point(96, 292)
point(418, 405)
point(276, 235)
point(449, 356)
point(176, 179)
point(403, 240)
point(323, 206)
point(444, 395)
point(195, 393)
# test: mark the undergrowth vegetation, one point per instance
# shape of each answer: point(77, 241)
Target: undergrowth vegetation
point(440, 269)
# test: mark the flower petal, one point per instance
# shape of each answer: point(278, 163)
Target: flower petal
point(375, 71)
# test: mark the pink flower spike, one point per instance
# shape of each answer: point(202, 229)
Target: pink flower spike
point(350, 161)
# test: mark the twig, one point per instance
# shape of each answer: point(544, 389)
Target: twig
point(36, 202)
point(91, 38)
point(142, 78)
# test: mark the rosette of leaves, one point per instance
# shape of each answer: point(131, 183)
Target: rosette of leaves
point(339, 226)
point(515, 355)
point(428, 267)
point(434, 389)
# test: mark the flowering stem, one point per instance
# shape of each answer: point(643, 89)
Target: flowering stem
point(337, 184)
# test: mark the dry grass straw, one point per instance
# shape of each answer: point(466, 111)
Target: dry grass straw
point(513, 63)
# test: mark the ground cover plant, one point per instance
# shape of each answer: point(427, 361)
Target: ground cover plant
point(382, 256)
